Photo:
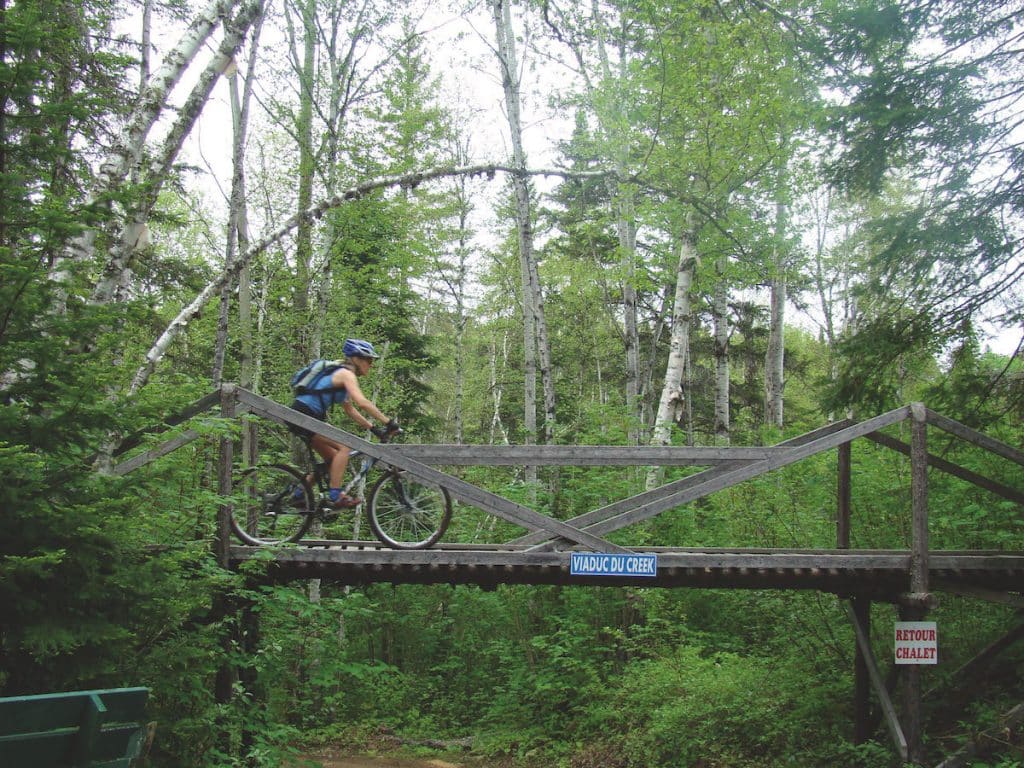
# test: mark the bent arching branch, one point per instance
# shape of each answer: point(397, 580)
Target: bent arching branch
point(409, 180)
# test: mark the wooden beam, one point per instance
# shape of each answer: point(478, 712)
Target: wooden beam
point(971, 669)
point(861, 608)
point(457, 487)
point(1011, 494)
point(722, 480)
point(1013, 599)
point(580, 455)
point(843, 489)
point(144, 458)
point(678, 486)
point(888, 710)
point(972, 436)
point(201, 405)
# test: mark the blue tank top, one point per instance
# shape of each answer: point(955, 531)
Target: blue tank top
point(323, 397)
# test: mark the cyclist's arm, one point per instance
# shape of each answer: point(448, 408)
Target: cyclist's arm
point(357, 401)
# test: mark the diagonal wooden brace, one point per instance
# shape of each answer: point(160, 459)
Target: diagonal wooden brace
point(891, 720)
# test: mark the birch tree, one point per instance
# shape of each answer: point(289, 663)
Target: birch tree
point(672, 405)
point(535, 337)
point(127, 155)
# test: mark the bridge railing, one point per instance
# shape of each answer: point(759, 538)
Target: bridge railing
point(725, 467)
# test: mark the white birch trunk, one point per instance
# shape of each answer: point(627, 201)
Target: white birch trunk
point(497, 427)
point(720, 312)
point(127, 150)
point(774, 357)
point(117, 271)
point(672, 405)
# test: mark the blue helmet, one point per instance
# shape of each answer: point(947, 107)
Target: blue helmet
point(359, 348)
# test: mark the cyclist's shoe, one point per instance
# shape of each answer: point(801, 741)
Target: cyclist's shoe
point(344, 501)
point(297, 498)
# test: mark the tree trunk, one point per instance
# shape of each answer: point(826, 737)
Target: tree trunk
point(117, 272)
point(236, 220)
point(304, 135)
point(497, 427)
point(721, 325)
point(128, 149)
point(534, 328)
point(774, 358)
point(672, 406)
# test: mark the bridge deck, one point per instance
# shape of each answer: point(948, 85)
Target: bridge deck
point(879, 574)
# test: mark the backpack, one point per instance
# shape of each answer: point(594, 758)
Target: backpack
point(305, 379)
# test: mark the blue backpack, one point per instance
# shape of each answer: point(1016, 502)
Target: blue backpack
point(304, 380)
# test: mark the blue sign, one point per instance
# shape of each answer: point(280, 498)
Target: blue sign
point(597, 564)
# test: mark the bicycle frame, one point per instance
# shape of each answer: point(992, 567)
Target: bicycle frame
point(321, 470)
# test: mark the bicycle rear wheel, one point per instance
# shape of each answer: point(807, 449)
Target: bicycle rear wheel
point(406, 514)
point(274, 505)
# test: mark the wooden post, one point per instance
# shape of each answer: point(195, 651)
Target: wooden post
point(861, 606)
point(919, 499)
point(843, 498)
point(861, 679)
point(915, 610)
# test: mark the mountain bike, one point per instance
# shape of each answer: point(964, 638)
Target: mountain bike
point(277, 503)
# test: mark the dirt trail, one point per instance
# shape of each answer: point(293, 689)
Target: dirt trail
point(329, 760)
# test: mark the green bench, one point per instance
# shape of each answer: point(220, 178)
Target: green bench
point(94, 729)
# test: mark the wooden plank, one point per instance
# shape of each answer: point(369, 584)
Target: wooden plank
point(1003, 598)
point(656, 494)
point(896, 562)
point(93, 717)
point(1011, 494)
point(458, 488)
point(888, 710)
point(973, 436)
point(146, 457)
point(579, 455)
point(201, 405)
point(721, 481)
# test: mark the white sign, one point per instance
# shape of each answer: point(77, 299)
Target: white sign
point(917, 642)
point(598, 564)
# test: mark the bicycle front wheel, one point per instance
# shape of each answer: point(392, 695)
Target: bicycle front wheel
point(406, 514)
point(274, 505)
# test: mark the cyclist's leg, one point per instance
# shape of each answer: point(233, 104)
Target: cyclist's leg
point(336, 455)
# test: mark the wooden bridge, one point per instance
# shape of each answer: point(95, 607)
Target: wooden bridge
point(907, 578)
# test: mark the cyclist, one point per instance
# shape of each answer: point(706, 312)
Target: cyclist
point(342, 387)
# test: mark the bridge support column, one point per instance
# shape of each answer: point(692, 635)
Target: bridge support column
point(862, 723)
point(916, 608)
